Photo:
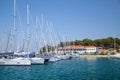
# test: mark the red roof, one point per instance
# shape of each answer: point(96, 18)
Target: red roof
point(77, 47)
point(90, 47)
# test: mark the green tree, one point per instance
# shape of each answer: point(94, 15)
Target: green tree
point(88, 42)
point(78, 42)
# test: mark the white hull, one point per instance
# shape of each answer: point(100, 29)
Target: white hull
point(55, 58)
point(75, 55)
point(117, 56)
point(65, 56)
point(21, 53)
point(16, 61)
point(37, 60)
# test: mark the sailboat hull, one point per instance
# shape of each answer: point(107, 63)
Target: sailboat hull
point(37, 60)
point(16, 61)
point(116, 56)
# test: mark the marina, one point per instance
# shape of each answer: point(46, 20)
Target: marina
point(82, 42)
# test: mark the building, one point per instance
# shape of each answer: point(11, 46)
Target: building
point(90, 49)
point(79, 49)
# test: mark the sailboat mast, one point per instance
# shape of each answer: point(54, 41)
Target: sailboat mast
point(14, 14)
point(28, 21)
point(57, 42)
point(28, 29)
point(114, 45)
point(46, 48)
point(14, 30)
point(37, 43)
point(27, 15)
point(14, 22)
point(64, 43)
point(50, 32)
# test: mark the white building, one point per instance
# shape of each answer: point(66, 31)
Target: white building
point(90, 49)
point(79, 49)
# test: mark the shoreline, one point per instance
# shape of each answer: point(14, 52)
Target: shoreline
point(94, 56)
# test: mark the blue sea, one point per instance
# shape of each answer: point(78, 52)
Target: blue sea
point(74, 69)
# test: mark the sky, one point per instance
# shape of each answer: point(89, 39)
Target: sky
point(77, 19)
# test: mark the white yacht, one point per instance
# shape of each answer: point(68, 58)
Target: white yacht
point(117, 56)
point(34, 60)
point(55, 58)
point(65, 56)
point(15, 61)
point(37, 60)
point(18, 60)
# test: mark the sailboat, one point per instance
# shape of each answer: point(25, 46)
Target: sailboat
point(15, 61)
point(65, 55)
point(35, 59)
point(116, 55)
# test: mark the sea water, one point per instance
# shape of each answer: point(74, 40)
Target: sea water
point(74, 69)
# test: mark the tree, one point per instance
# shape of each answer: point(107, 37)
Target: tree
point(49, 47)
point(78, 42)
point(88, 42)
point(61, 44)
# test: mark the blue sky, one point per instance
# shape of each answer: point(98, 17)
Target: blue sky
point(77, 19)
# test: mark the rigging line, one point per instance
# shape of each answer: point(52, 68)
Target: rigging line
point(37, 44)
point(19, 17)
point(52, 33)
point(5, 37)
point(31, 18)
point(51, 36)
point(33, 25)
point(21, 26)
point(41, 30)
point(56, 36)
point(43, 36)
